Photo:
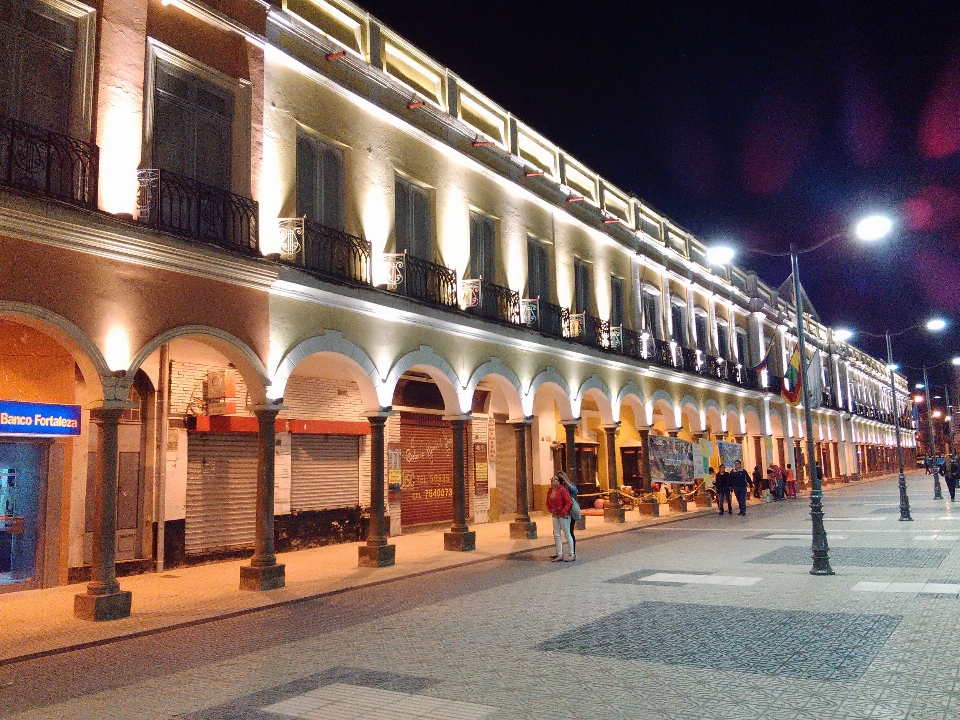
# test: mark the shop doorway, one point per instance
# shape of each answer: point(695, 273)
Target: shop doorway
point(22, 480)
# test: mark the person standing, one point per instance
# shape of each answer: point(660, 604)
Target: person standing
point(757, 482)
point(559, 504)
point(950, 475)
point(573, 490)
point(723, 490)
point(791, 482)
point(738, 481)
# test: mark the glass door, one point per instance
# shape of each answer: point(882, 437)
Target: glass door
point(20, 486)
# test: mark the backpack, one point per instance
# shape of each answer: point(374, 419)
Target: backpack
point(575, 513)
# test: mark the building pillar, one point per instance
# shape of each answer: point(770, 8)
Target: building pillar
point(645, 457)
point(612, 512)
point(377, 552)
point(701, 499)
point(104, 600)
point(522, 528)
point(460, 538)
point(263, 572)
point(570, 427)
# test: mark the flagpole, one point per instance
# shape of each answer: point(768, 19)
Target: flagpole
point(821, 559)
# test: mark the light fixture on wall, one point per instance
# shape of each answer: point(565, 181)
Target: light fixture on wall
point(335, 55)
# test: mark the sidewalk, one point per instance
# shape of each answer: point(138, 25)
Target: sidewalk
point(41, 622)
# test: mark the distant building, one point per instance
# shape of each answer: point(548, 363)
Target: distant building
point(207, 207)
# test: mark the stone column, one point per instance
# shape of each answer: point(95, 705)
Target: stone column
point(612, 512)
point(570, 426)
point(263, 572)
point(104, 600)
point(377, 552)
point(460, 538)
point(522, 528)
point(673, 433)
point(701, 499)
point(645, 457)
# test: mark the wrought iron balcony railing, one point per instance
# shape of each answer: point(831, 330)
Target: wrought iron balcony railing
point(182, 206)
point(716, 367)
point(421, 279)
point(325, 251)
point(543, 316)
point(689, 359)
point(662, 353)
point(48, 163)
point(586, 329)
point(491, 301)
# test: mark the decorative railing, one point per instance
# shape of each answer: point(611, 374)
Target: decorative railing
point(491, 301)
point(421, 279)
point(182, 206)
point(716, 367)
point(662, 353)
point(689, 359)
point(325, 251)
point(543, 316)
point(632, 344)
point(48, 163)
point(586, 329)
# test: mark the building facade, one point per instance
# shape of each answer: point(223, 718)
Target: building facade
point(299, 284)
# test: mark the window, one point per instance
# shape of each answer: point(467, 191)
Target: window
point(616, 301)
point(413, 231)
point(581, 282)
point(742, 354)
point(723, 340)
point(701, 327)
point(538, 270)
point(192, 126)
point(38, 52)
point(320, 186)
point(678, 316)
point(651, 310)
point(483, 245)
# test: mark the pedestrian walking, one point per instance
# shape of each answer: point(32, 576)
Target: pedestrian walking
point(791, 482)
point(722, 484)
point(738, 481)
point(574, 505)
point(757, 482)
point(927, 465)
point(950, 472)
point(559, 504)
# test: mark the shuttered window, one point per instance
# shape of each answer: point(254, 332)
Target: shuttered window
point(700, 322)
point(742, 354)
point(723, 340)
point(538, 270)
point(324, 472)
point(192, 126)
point(221, 491)
point(616, 301)
point(581, 279)
point(37, 52)
point(483, 239)
point(320, 188)
point(679, 319)
point(651, 312)
point(413, 226)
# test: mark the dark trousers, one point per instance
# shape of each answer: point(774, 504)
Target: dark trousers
point(952, 486)
point(723, 492)
point(741, 493)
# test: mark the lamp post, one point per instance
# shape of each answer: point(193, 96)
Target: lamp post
point(937, 494)
point(871, 228)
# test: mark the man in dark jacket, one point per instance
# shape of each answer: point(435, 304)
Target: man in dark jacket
point(738, 480)
point(722, 485)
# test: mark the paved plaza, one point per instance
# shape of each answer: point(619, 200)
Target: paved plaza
point(708, 617)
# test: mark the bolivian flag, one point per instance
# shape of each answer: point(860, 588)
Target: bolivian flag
point(792, 378)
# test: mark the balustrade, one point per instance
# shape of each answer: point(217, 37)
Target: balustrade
point(325, 251)
point(421, 279)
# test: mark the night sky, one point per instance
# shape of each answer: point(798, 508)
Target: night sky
point(756, 124)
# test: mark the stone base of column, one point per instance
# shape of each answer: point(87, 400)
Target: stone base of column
point(460, 541)
point(377, 555)
point(678, 504)
point(272, 577)
point(649, 508)
point(523, 531)
point(702, 500)
point(614, 514)
point(102, 607)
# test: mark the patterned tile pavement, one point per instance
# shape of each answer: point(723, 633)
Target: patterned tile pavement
point(512, 638)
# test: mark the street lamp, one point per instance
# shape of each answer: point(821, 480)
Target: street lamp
point(934, 325)
point(868, 229)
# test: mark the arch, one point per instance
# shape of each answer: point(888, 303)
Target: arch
point(751, 420)
point(504, 378)
point(361, 368)
point(775, 415)
point(74, 340)
point(550, 380)
point(598, 391)
point(740, 421)
point(671, 413)
point(691, 408)
point(427, 361)
point(247, 362)
point(716, 421)
point(632, 396)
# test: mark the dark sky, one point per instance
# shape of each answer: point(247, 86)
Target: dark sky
point(758, 124)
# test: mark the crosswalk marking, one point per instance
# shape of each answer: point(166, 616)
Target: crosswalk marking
point(701, 579)
point(908, 587)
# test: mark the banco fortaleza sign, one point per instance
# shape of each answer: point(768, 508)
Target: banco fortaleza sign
point(39, 419)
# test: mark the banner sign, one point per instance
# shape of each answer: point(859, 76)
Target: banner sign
point(671, 460)
point(706, 451)
point(729, 453)
point(39, 419)
point(480, 479)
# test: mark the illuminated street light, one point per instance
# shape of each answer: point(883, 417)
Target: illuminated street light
point(873, 227)
point(842, 334)
point(956, 361)
point(720, 254)
point(936, 324)
point(918, 386)
point(918, 399)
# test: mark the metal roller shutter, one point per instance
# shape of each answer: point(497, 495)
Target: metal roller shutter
point(324, 472)
point(427, 466)
point(221, 491)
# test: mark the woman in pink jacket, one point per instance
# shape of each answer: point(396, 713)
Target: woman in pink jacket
point(559, 504)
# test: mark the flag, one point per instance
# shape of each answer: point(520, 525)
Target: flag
point(763, 363)
point(791, 378)
point(815, 380)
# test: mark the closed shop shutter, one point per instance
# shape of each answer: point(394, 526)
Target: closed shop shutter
point(427, 466)
point(324, 472)
point(221, 491)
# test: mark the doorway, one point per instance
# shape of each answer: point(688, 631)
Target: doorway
point(22, 480)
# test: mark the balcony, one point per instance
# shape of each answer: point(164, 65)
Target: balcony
point(543, 316)
point(662, 353)
point(716, 367)
point(421, 279)
point(182, 206)
point(586, 329)
point(689, 359)
point(491, 301)
point(325, 251)
point(47, 163)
